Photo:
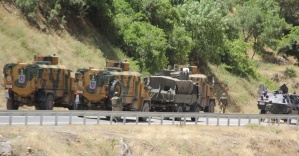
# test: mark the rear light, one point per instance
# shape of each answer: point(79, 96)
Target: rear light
point(105, 97)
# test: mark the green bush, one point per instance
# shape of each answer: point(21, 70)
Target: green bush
point(290, 72)
point(27, 6)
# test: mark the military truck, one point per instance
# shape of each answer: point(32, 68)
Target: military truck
point(204, 90)
point(43, 84)
point(96, 87)
point(278, 101)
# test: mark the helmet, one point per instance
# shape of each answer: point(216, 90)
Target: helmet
point(116, 94)
point(223, 94)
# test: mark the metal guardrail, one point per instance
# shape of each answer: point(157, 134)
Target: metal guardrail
point(271, 118)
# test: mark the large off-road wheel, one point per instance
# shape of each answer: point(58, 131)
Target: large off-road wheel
point(48, 104)
point(37, 106)
point(196, 110)
point(211, 107)
point(115, 87)
point(179, 109)
point(145, 108)
point(11, 105)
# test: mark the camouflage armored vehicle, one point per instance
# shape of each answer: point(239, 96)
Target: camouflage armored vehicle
point(43, 84)
point(205, 97)
point(278, 101)
point(174, 95)
point(96, 87)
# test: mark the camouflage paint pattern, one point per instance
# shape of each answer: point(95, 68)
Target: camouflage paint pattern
point(205, 90)
point(113, 64)
point(97, 87)
point(29, 84)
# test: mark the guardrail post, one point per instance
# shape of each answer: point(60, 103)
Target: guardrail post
point(297, 121)
point(10, 119)
point(184, 120)
point(124, 120)
point(84, 118)
point(260, 119)
point(70, 118)
point(162, 117)
point(288, 121)
point(111, 116)
point(269, 121)
point(149, 120)
point(56, 119)
point(26, 119)
point(196, 119)
point(207, 120)
point(228, 120)
point(41, 119)
point(217, 120)
point(98, 118)
point(173, 120)
point(137, 119)
point(249, 120)
point(278, 121)
point(239, 121)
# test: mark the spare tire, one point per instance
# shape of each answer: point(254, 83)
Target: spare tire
point(115, 87)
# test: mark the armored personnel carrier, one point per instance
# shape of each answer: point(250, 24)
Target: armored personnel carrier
point(205, 99)
point(43, 84)
point(96, 87)
point(278, 101)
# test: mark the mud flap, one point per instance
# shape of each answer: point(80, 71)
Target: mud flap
point(77, 99)
point(7, 94)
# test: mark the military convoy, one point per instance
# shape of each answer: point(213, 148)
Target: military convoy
point(44, 84)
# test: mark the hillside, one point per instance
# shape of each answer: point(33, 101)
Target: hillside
point(79, 44)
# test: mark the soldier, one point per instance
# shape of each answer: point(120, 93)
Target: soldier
point(116, 105)
point(223, 103)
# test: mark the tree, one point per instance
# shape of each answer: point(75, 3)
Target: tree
point(178, 46)
point(289, 9)
point(205, 24)
point(259, 20)
point(289, 45)
point(147, 44)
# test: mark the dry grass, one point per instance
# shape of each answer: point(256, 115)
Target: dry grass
point(154, 140)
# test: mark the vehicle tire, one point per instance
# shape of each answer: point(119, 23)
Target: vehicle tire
point(115, 87)
point(37, 106)
point(179, 109)
point(145, 108)
point(196, 109)
point(48, 104)
point(11, 105)
point(211, 107)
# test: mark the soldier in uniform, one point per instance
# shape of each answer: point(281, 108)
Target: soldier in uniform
point(223, 103)
point(116, 105)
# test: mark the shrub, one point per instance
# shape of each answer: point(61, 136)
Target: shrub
point(290, 72)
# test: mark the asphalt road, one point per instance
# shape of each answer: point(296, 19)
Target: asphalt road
point(89, 120)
